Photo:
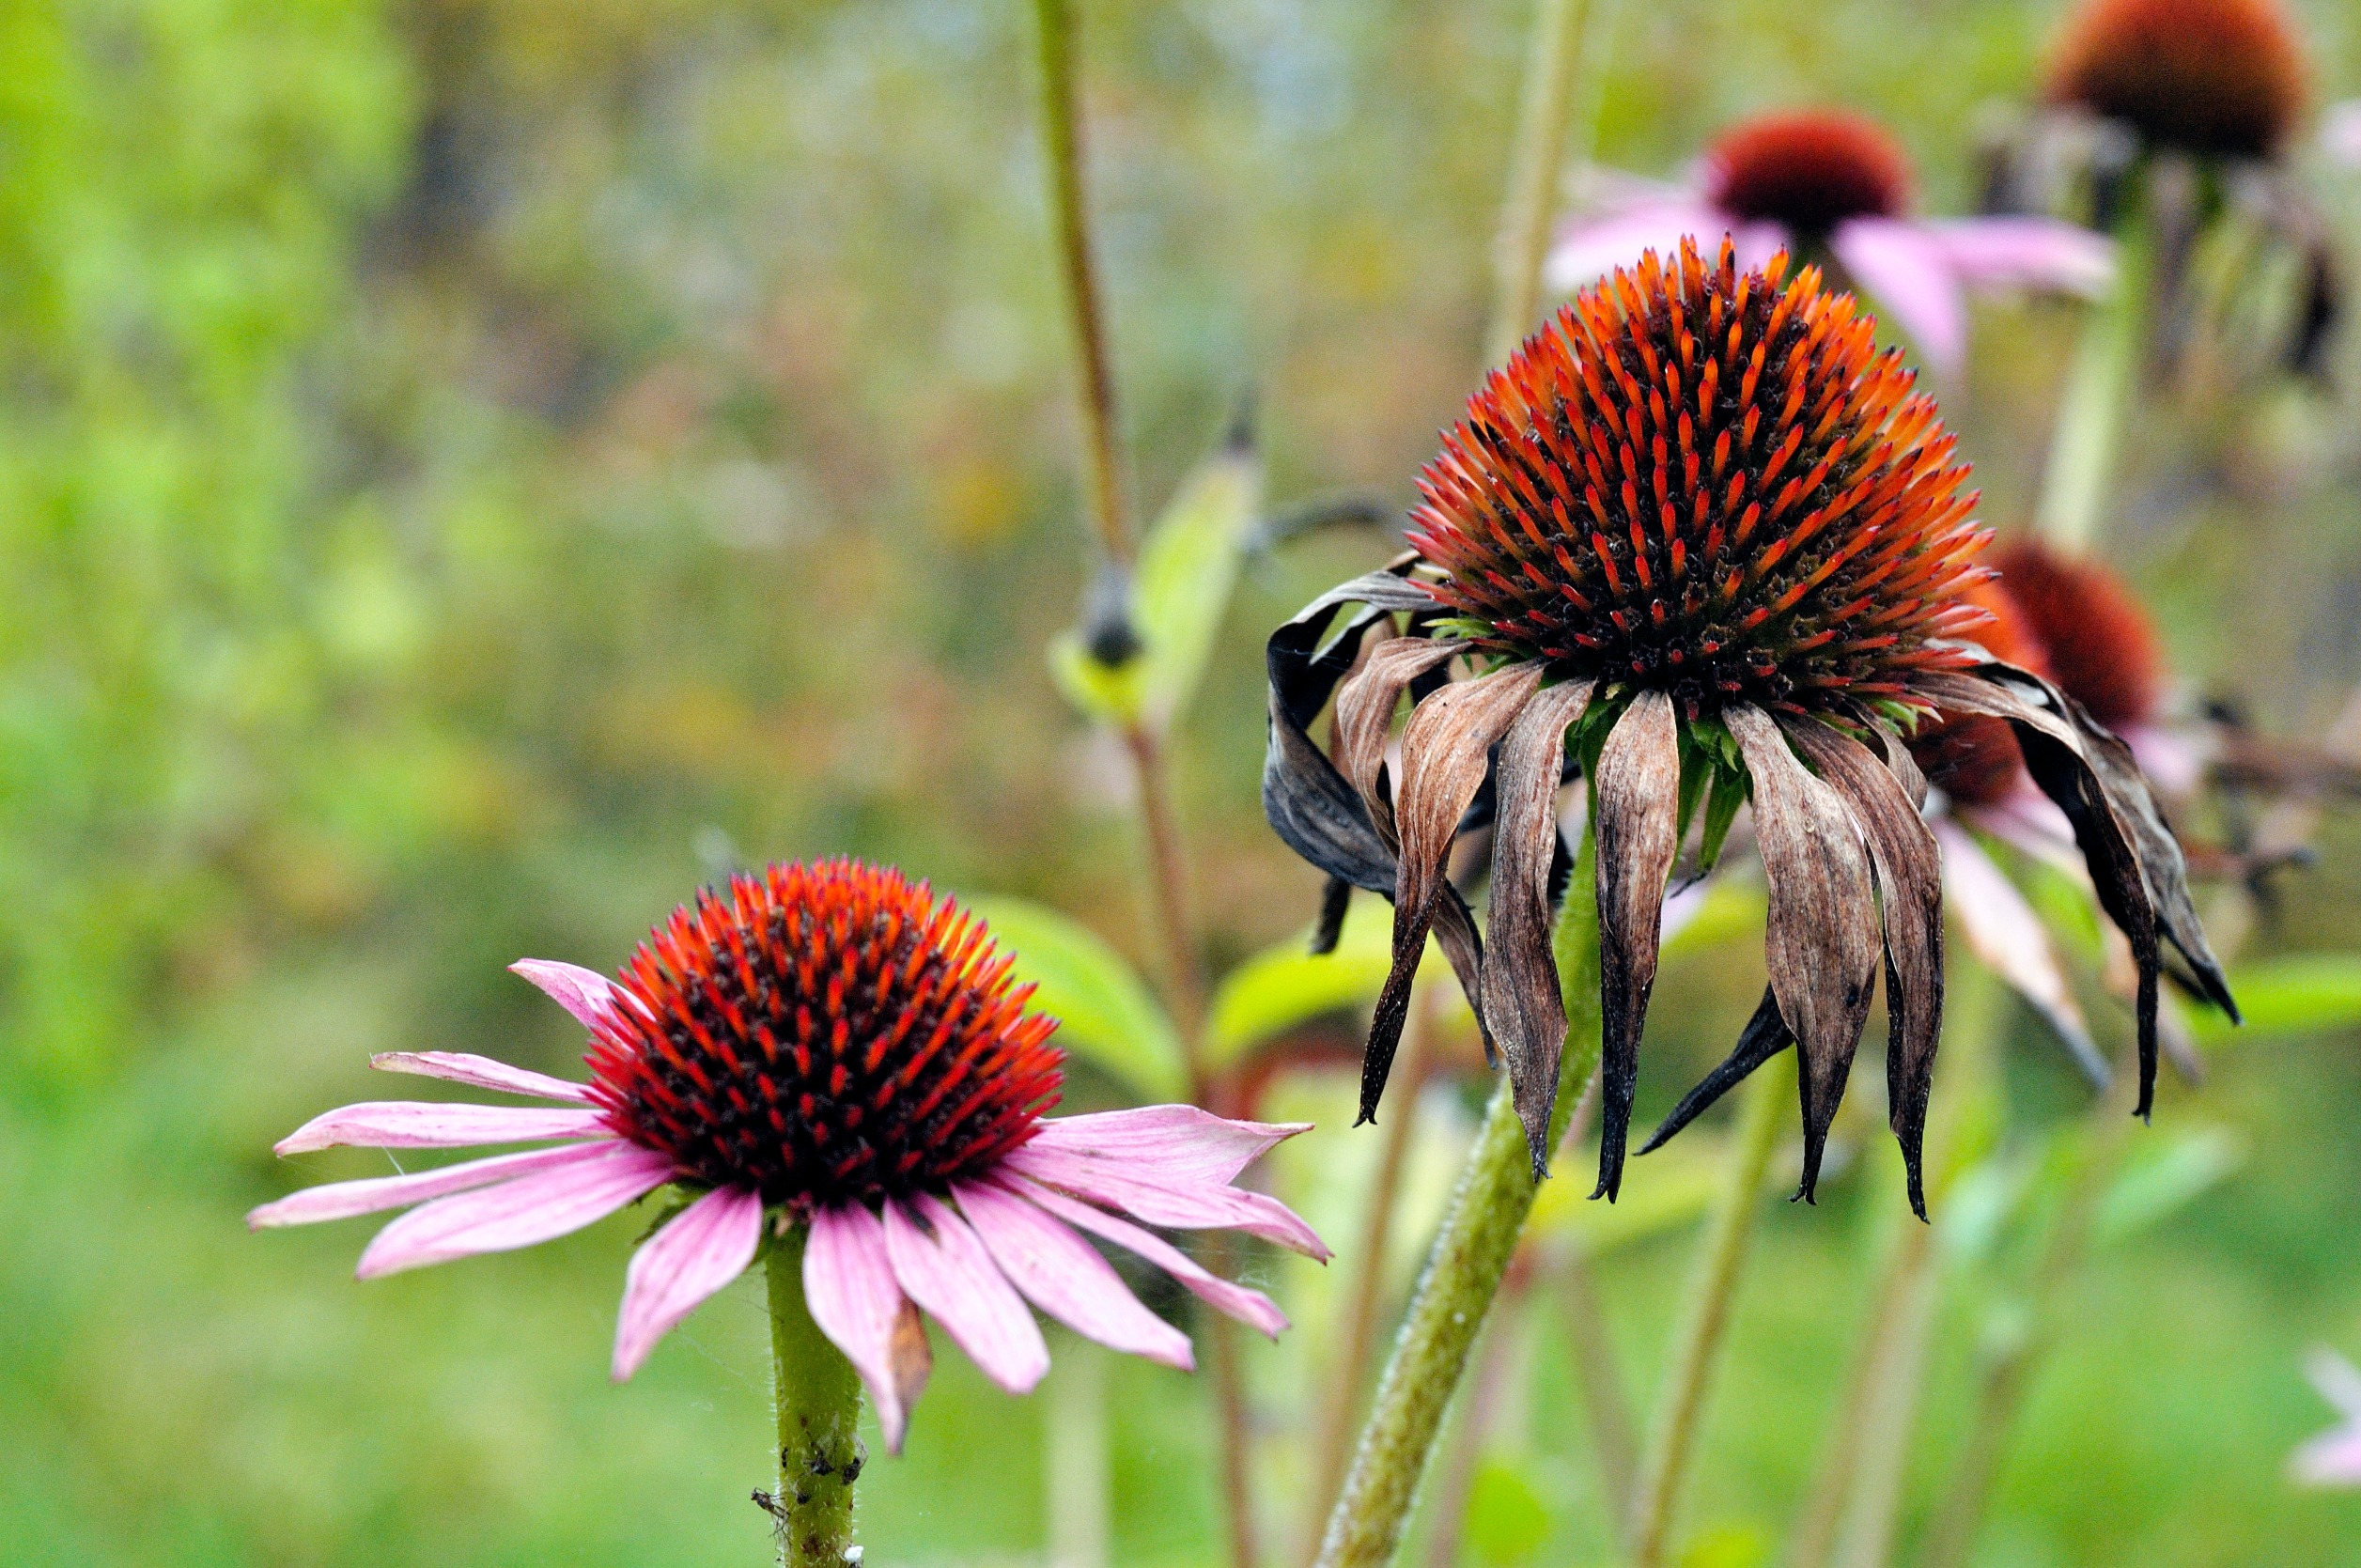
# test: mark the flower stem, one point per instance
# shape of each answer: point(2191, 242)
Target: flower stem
point(1168, 894)
point(1540, 144)
point(819, 1415)
point(1496, 1358)
point(1463, 1269)
point(2099, 393)
point(1721, 1258)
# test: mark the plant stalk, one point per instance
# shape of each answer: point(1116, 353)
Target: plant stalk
point(1606, 1403)
point(819, 1417)
point(2100, 389)
point(1713, 1289)
point(1496, 1355)
point(1061, 139)
point(1551, 69)
point(1463, 1271)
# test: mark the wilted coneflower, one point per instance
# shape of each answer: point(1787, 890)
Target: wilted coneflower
point(1701, 534)
point(1835, 182)
point(2213, 78)
point(825, 1045)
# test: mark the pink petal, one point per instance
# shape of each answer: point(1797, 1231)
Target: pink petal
point(1902, 266)
point(2340, 131)
point(1179, 1141)
point(585, 993)
point(708, 1245)
point(519, 1213)
point(1059, 1273)
point(430, 1125)
point(2331, 1459)
point(2004, 932)
point(479, 1072)
point(2046, 254)
point(849, 1290)
point(2172, 761)
point(2032, 823)
point(2338, 1381)
point(1587, 249)
point(951, 1275)
point(1144, 1192)
point(343, 1199)
point(1249, 1307)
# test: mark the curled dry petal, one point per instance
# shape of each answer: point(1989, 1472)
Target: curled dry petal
point(1909, 873)
point(2007, 936)
point(1639, 790)
point(1766, 1035)
point(1446, 752)
point(1824, 939)
point(1365, 716)
point(1521, 997)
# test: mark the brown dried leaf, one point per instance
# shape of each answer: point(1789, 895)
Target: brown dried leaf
point(1365, 716)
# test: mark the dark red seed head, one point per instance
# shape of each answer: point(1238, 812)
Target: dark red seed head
point(2214, 77)
point(1708, 482)
point(824, 1032)
point(2102, 649)
point(1972, 758)
point(1810, 169)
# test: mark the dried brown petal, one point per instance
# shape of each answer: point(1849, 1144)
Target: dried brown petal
point(1824, 939)
point(1639, 796)
point(1364, 716)
point(1766, 1035)
point(1520, 978)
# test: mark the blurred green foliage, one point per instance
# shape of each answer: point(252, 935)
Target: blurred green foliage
point(471, 470)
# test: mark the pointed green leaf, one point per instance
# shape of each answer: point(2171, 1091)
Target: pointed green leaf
point(1106, 1016)
point(1188, 564)
point(2155, 1184)
point(2303, 993)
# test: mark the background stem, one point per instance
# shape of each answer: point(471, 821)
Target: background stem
point(1550, 72)
point(1720, 1260)
point(820, 1416)
point(1606, 1404)
point(2098, 396)
point(1077, 1454)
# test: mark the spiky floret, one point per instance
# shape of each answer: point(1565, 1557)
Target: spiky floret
point(825, 1032)
point(2221, 77)
point(1810, 169)
point(2098, 643)
point(1711, 483)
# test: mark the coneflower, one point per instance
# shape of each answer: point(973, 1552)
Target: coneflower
point(829, 1047)
point(1830, 182)
point(2215, 78)
point(1702, 536)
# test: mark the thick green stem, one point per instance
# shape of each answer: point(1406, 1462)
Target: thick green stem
point(1541, 147)
point(819, 1417)
point(1713, 1289)
point(1062, 145)
point(2100, 388)
point(1463, 1270)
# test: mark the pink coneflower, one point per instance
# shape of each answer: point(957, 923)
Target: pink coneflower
point(1830, 180)
point(825, 1045)
point(2334, 1457)
point(2212, 77)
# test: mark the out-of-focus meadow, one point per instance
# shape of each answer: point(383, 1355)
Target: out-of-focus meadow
point(470, 471)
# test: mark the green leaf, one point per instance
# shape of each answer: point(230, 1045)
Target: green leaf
point(1721, 809)
point(1285, 984)
point(2153, 1186)
point(1681, 1179)
point(1106, 1016)
point(1187, 566)
point(2305, 993)
point(1508, 1517)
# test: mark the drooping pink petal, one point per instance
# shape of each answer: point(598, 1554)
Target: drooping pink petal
point(708, 1245)
point(1060, 1273)
point(2334, 1457)
point(2031, 823)
point(849, 1289)
point(481, 1072)
point(2045, 253)
point(1249, 1307)
point(1901, 268)
point(951, 1275)
point(430, 1125)
point(519, 1213)
point(1143, 1191)
point(2008, 937)
point(1589, 248)
point(585, 993)
point(2172, 760)
point(1179, 1141)
point(343, 1199)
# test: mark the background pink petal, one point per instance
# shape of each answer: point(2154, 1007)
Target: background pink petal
point(951, 1275)
point(481, 1072)
point(708, 1245)
point(585, 993)
point(1249, 1307)
point(2008, 939)
point(519, 1213)
point(1587, 249)
point(2026, 252)
point(429, 1125)
point(1909, 280)
point(342, 1200)
point(1141, 1191)
point(1058, 1272)
point(849, 1289)
point(1179, 1141)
